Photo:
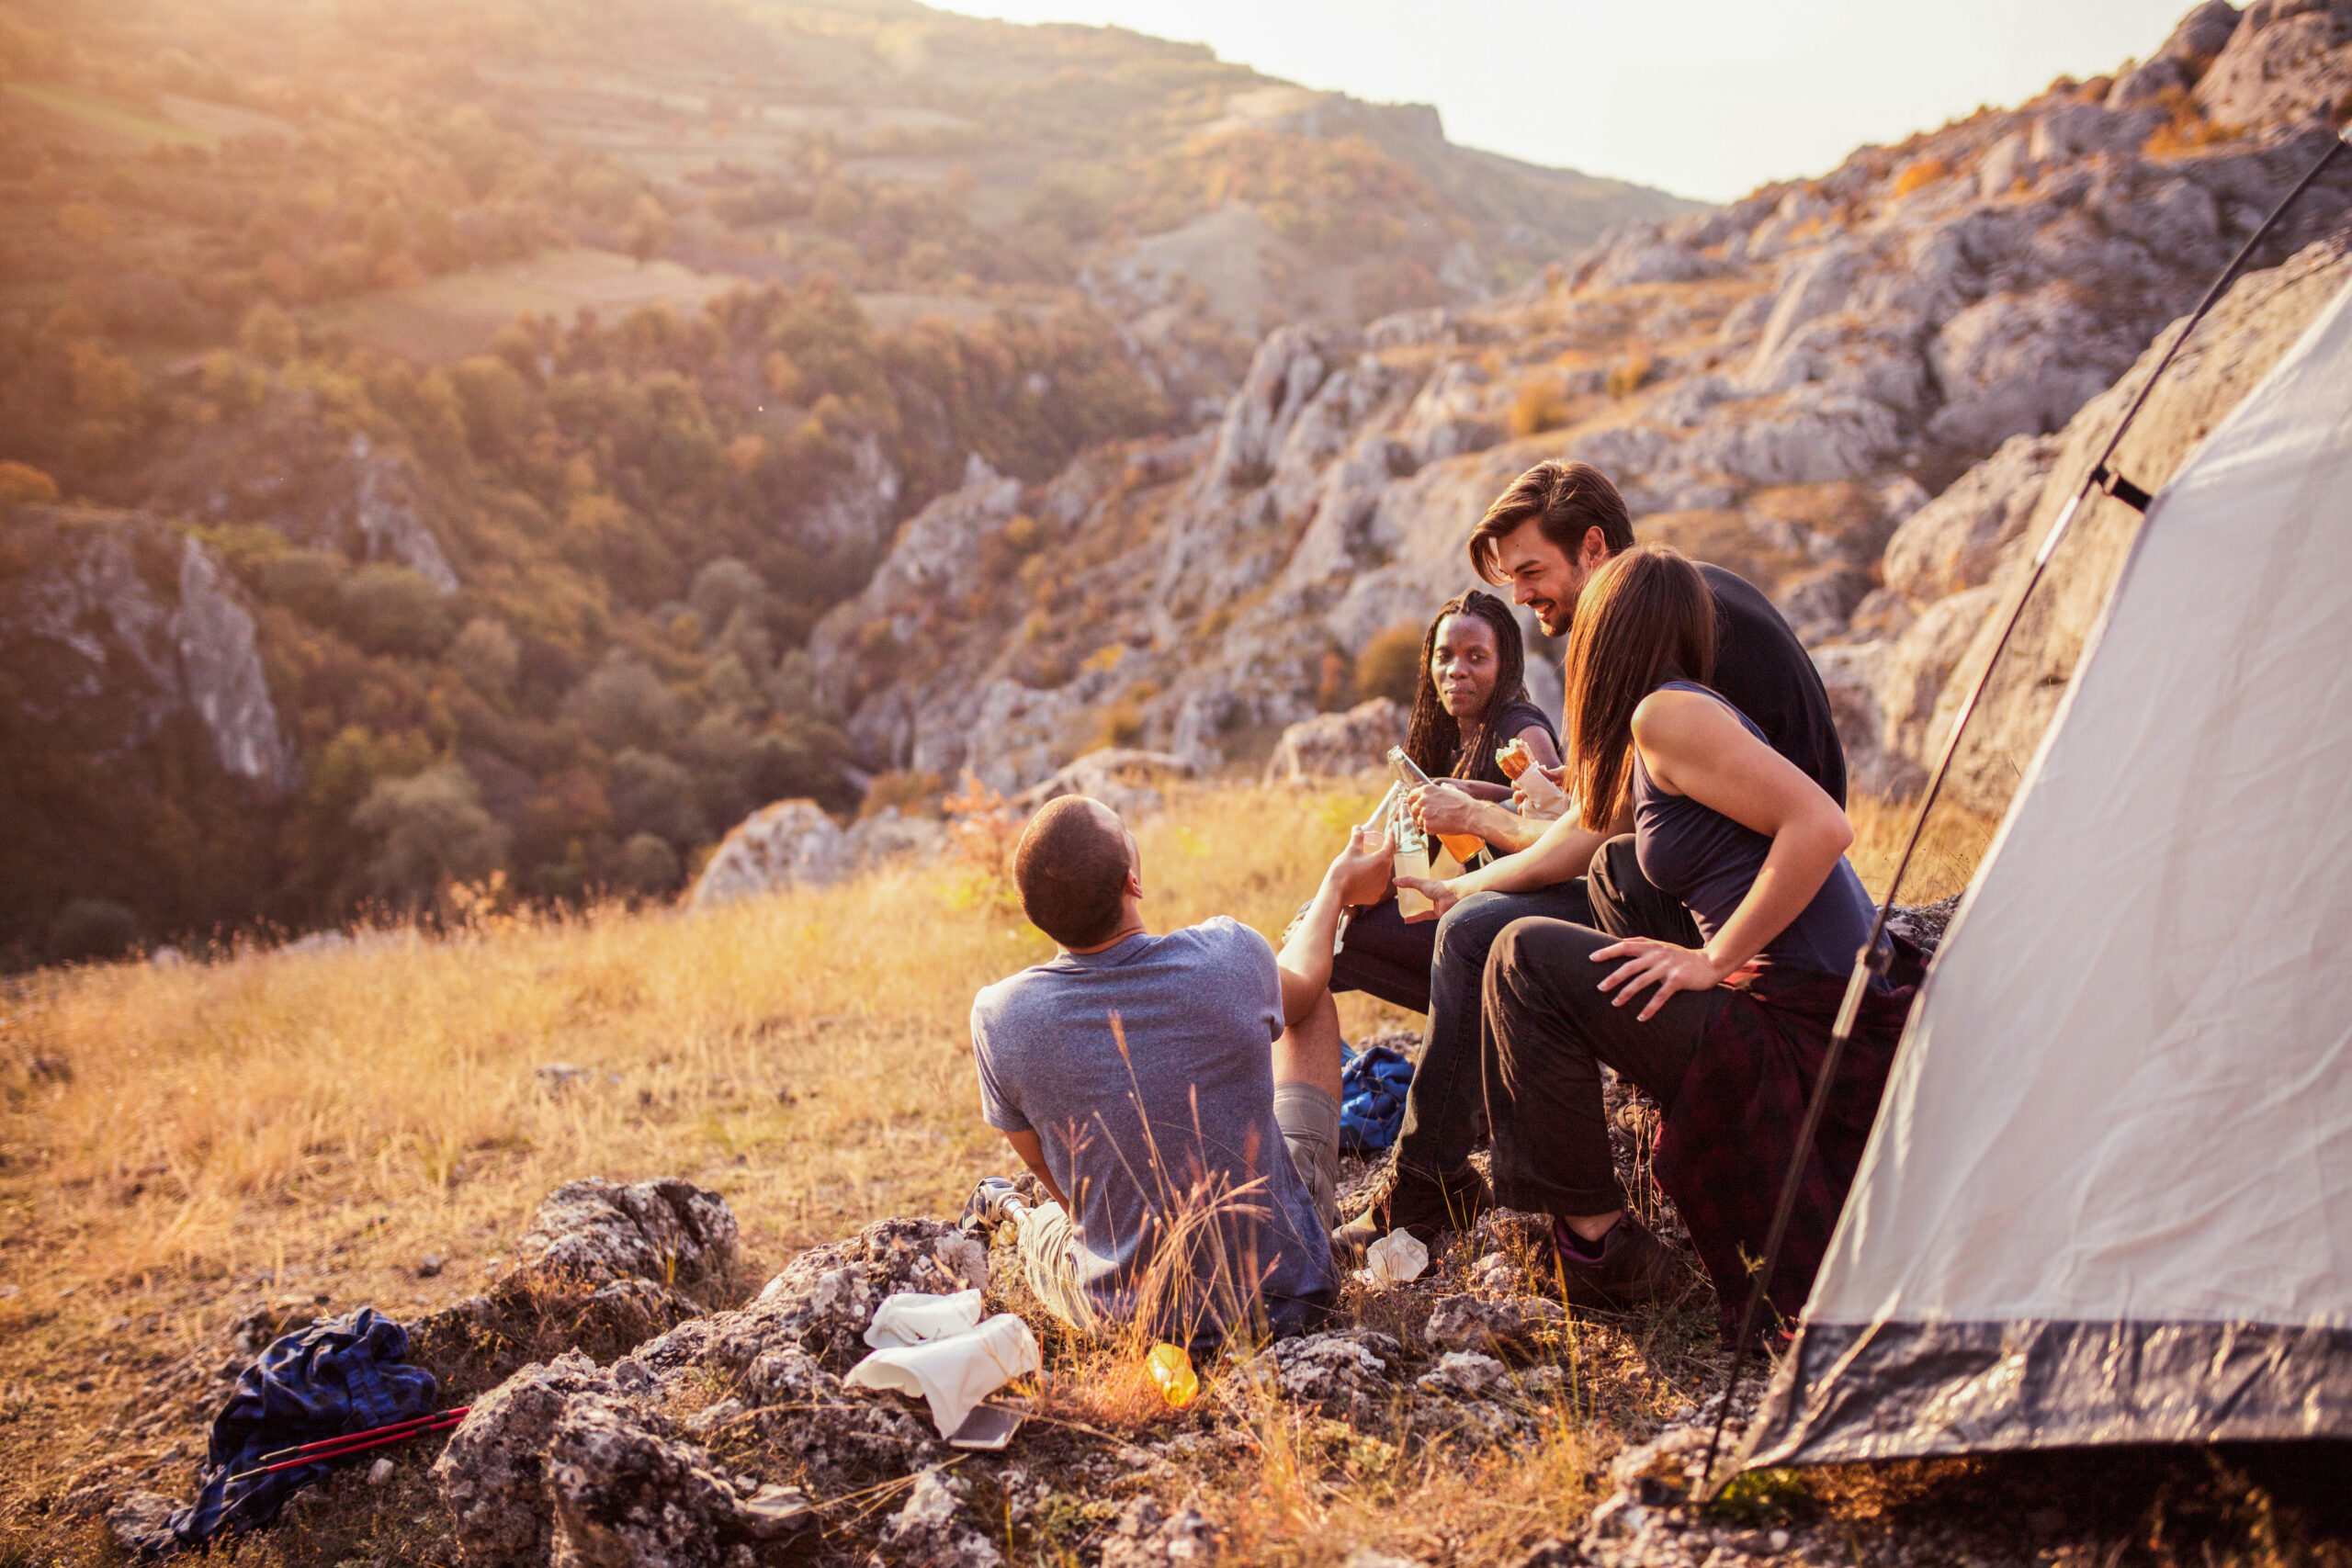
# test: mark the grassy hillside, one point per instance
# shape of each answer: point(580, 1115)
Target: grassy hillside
point(185, 1149)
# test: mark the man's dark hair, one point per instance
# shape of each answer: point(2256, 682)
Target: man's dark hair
point(1564, 500)
point(1071, 866)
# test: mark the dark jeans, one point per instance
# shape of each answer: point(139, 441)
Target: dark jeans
point(1387, 958)
point(1442, 1111)
point(1552, 1027)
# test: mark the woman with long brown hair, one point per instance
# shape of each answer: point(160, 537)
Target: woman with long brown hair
point(1756, 850)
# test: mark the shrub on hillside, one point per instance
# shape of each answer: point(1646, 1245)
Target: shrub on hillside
point(624, 704)
point(1390, 665)
point(430, 830)
point(21, 484)
point(91, 929)
point(393, 609)
point(647, 866)
point(651, 793)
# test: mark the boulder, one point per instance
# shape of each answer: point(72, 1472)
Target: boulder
point(825, 1298)
point(1146, 1535)
point(491, 1474)
point(669, 1231)
point(1338, 745)
point(2288, 63)
point(925, 1532)
point(1344, 1372)
point(1959, 539)
point(627, 1493)
point(1489, 1327)
point(1120, 777)
point(791, 844)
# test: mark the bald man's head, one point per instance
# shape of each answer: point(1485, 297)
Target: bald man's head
point(1071, 867)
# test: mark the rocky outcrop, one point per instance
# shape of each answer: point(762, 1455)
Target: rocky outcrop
point(599, 1231)
point(113, 625)
point(1767, 381)
point(792, 843)
point(1122, 778)
point(1338, 745)
point(1959, 559)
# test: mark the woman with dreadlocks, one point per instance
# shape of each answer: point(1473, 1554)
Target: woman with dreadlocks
point(1470, 703)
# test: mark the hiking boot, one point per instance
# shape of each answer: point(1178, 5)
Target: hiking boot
point(1419, 1205)
point(1634, 1266)
point(993, 1202)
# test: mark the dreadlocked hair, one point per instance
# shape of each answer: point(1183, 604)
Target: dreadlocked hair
point(1433, 738)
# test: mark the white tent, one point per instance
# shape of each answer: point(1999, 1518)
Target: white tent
point(2109, 1197)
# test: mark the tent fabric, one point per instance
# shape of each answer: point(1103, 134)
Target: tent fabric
point(2109, 1197)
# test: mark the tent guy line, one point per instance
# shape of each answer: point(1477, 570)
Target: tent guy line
point(1869, 960)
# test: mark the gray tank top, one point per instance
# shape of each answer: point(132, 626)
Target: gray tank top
point(1697, 855)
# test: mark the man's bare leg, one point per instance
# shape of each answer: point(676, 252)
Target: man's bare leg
point(1309, 1050)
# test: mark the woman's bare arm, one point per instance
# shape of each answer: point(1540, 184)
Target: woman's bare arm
point(1694, 746)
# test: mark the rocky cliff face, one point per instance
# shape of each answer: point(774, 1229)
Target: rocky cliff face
point(1781, 384)
point(111, 624)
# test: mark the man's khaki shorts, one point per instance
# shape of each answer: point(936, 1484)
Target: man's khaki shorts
point(1046, 1238)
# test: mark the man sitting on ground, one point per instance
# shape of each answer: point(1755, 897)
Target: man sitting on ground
point(1190, 1145)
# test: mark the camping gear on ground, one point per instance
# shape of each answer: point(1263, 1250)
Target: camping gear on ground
point(955, 1371)
point(910, 1317)
point(1172, 1367)
point(1373, 1083)
point(317, 1392)
point(359, 1442)
point(2102, 1202)
point(1397, 1259)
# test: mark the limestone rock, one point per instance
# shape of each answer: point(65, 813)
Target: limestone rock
point(1345, 1373)
point(1120, 777)
point(141, 1521)
point(2283, 63)
point(1338, 745)
point(1468, 1323)
point(825, 1298)
point(668, 1230)
point(1957, 540)
point(627, 1493)
point(1146, 1535)
point(493, 1471)
point(1464, 1373)
point(791, 844)
point(2249, 330)
point(925, 1532)
point(104, 653)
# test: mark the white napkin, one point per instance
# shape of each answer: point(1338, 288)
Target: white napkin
point(957, 1371)
point(1395, 1259)
point(910, 1317)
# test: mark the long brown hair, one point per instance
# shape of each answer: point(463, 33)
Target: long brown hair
point(1433, 738)
point(1644, 617)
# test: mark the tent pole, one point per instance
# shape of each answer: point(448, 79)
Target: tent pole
point(1869, 961)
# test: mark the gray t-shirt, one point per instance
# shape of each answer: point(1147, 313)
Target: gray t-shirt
point(1199, 1008)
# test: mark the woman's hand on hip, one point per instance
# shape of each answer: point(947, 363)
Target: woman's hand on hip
point(1649, 962)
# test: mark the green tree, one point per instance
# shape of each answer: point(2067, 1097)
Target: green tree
point(429, 830)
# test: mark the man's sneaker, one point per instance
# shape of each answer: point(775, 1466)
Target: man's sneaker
point(1633, 1267)
point(993, 1202)
point(1421, 1205)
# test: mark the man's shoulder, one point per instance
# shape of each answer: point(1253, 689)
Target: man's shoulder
point(1222, 936)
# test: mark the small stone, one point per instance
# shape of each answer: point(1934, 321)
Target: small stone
point(429, 1265)
point(1780, 1539)
point(86, 1385)
point(379, 1472)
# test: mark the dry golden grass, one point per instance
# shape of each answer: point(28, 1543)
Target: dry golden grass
point(179, 1145)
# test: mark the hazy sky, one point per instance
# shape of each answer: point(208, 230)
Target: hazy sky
point(1708, 98)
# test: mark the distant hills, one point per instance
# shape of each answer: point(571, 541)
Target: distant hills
point(497, 393)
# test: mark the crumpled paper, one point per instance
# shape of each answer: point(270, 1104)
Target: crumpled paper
point(1395, 1259)
point(954, 1373)
point(910, 1317)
